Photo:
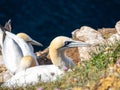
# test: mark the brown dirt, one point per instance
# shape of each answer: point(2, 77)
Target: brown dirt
point(107, 32)
point(74, 54)
point(44, 58)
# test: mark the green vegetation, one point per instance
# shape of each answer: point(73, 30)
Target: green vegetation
point(86, 75)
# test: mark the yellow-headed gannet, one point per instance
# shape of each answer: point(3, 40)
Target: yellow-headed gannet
point(46, 73)
point(24, 36)
point(15, 51)
point(29, 40)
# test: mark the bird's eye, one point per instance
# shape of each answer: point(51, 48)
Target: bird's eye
point(67, 43)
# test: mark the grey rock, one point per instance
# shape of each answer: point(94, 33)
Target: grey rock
point(88, 35)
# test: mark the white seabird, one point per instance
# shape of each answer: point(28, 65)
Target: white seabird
point(46, 73)
point(24, 36)
point(15, 51)
point(29, 40)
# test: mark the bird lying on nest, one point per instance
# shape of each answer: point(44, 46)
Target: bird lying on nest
point(47, 73)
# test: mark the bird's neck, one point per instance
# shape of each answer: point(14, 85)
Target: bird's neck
point(59, 58)
point(31, 47)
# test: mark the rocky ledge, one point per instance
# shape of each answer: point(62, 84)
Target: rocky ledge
point(85, 34)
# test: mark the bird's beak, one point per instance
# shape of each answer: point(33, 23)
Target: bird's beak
point(78, 44)
point(33, 42)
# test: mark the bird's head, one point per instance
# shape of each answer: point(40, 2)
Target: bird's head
point(28, 39)
point(57, 47)
point(62, 42)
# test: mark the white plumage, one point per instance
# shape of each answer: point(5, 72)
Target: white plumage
point(46, 73)
point(33, 75)
point(29, 40)
point(14, 50)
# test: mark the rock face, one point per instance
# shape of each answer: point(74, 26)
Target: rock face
point(88, 35)
point(117, 27)
point(107, 32)
point(95, 38)
point(115, 37)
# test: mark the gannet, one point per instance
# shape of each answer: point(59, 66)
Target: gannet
point(46, 73)
point(7, 27)
point(29, 40)
point(28, 59)
point(24, 36)
point(15, 51)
